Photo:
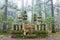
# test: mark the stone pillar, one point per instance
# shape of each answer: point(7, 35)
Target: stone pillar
point(23, 26)
point(19, 26)
point(35, 27)
point(46, 27)
point(12, 27)
point(39, 27)
point(16, 27)
point(42, 27)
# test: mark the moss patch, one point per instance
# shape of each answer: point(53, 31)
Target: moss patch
point(57, 33)
point(2, 34)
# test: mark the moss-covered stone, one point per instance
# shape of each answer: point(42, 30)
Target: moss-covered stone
point(39, 17)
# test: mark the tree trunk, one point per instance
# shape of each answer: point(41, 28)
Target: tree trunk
point(5, 16)
point(52, 11)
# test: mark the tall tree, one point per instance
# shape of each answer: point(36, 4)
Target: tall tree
point(5, 16)
point(52, 13)
point(1, 16)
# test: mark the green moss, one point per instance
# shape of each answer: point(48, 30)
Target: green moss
point(25, 15)
point(19, 17)
point(17, 36)
point(57, 33)
point(2, 34)
point(32, 36)
point(17, 32)
point(39, 17)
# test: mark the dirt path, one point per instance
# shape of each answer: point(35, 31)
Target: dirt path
point(51, 37)
point(54, 37)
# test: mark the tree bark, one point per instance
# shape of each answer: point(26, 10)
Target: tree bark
point(5, 16)
point(52, 11)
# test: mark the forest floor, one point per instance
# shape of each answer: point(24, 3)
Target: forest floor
point(51, 37)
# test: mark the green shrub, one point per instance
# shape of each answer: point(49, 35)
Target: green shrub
point(36, 32)
point(41, 33)
point(17, 36)
point(13, 36)
point(17, 32)
point(32, 36)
